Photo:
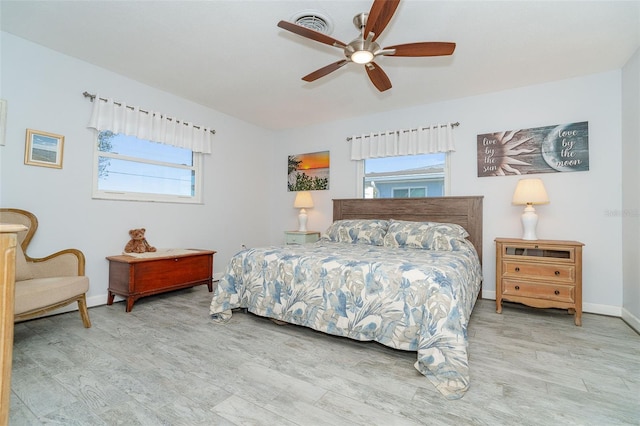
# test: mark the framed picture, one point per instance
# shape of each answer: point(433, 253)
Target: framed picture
point(308, 172)
point(43, 149)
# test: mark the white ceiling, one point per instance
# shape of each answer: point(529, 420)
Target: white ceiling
point(231, 56)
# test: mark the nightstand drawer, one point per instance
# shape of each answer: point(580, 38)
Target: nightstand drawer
point(561, 293)
point(536, 251)
point(549, 272)
point(301, 237)
point(296, 239)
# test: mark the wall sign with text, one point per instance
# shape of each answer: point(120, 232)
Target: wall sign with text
point(559, 148)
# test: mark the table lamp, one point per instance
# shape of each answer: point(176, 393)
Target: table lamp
point(529, 192)
point(303, 201)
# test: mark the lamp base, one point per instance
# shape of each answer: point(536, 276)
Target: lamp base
point(529, 223)
point(302, 221)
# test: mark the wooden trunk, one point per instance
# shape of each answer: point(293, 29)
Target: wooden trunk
point(134, 277)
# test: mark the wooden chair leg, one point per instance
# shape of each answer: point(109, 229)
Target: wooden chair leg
point(84, 313)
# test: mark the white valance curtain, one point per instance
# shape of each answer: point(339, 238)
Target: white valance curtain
point(425, 140)
point(119, 117)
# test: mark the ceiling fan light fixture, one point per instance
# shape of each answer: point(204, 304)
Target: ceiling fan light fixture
point(364, 48)
point(361, 57)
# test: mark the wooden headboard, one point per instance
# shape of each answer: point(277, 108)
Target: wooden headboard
point(464, 211)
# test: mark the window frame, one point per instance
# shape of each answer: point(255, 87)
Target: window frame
point(447, 176)
point(197, 167)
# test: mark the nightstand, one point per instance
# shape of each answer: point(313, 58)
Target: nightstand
point(301, 237)
point(540, 273)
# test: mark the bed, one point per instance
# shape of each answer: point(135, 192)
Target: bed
point(402, 272)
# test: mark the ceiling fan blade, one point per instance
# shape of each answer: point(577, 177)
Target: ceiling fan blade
point(324, 70)
point(378, 77)
point(427, 48)
point(379, 16)
point(311, 34)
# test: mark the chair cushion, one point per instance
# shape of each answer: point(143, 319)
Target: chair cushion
point(23, 272)
point(42, 292)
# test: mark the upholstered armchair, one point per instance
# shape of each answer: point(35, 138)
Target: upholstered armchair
point(48, 283)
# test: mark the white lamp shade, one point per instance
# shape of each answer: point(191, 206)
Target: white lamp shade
point(530, 191)
point(303, 200)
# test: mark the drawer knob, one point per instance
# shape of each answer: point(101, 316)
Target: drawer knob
point(557, 273)
point(175, 259)
point(517, 269)
point(557, 292)
point(517, 287)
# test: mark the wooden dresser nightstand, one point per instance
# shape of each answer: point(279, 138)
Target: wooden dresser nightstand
point(301, 237)
point(540, 273)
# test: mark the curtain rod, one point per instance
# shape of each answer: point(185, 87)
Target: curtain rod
point(93, 97)
point(456, 124)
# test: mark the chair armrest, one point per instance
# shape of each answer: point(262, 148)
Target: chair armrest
point(64, 263)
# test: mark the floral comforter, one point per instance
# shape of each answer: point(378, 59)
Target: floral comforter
point(404, 298)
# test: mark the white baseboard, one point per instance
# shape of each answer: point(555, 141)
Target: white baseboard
point(592, 308)
point(92, 301)
point(632, 320)
point(99, 300)
point(486, 294)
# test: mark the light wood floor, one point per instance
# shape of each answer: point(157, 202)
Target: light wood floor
point(166, 363)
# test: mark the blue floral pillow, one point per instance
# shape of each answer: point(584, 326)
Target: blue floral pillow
point(425, 235)
point(357, 231)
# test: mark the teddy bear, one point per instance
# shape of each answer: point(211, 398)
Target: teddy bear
point(138, 243)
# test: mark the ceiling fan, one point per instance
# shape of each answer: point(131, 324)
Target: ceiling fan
point(364, 49)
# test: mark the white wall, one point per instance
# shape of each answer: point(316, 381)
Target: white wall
point(44, 92)
point(631, 190)
point(246, 199)
point(579, 200)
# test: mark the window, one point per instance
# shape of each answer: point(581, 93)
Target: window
point(128, 168)
point(405, 176)
point(409, 192)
